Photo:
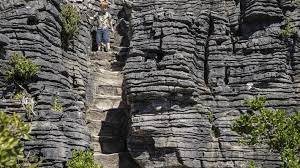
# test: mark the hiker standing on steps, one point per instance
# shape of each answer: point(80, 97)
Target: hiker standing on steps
point(104, 23)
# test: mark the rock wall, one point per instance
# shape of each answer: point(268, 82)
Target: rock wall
point(188, 59)
point(33, 29)
point(191, 58)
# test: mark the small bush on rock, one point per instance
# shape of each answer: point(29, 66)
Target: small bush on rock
point(22, 69)
point(12, 130)
point(82, 159)
point(56, 106)
point(19, 95)
point(71, 21)
point(271, 127)
point(252, 164)
point(288, 30)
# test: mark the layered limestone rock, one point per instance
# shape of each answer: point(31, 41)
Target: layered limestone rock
point(191, 64)
point(191, 59)
point(33, 29)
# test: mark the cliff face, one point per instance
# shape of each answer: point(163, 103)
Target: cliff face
point(189, 59)
point(190, 65)
point(33, 29)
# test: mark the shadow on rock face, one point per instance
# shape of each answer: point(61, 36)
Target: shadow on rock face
point(4, 41)
point(113, 132)
point(94, 44)
point(113, 136)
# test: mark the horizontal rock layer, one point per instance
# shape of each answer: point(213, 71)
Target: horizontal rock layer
point(34, 29)
point(189, 59)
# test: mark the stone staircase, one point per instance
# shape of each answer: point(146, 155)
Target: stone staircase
point(107, 115)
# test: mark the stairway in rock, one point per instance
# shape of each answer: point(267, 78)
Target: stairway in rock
point(107, 117)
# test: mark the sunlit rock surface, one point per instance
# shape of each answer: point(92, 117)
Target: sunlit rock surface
point(188, 66)
point(190, 59)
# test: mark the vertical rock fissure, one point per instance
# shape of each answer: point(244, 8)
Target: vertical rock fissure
point(226, 79)
point(292, 47)
point(160, 53)
point(233, 41)
point(94, 46)
point(2, 52)
point(206, 52)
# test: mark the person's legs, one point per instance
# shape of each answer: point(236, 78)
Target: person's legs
point(101, 39)
point(106, 38)
point(98, 39)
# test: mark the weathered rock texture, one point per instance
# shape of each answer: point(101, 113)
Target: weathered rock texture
point(33, 28)
point(192, 57)
point(187, 59)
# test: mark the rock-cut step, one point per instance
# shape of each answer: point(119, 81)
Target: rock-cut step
point(107, 78)
point(107, 160)
point(115, 160)
point(95, 114)
point(108, 144)
point(99, 55)
point(108, 90)
point(105, 102)
point(106, 128)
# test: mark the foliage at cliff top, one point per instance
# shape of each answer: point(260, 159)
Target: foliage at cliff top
point(273, 127)
point(71, 21)
point(82, 159)
point(22, 69)
point(12, 130)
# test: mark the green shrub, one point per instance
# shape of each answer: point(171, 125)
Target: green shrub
point(288, 30)
point(211, 117)
point(56, 106)
point(32, 162)
point(82, 159)
point(19, 96)
point(12, 130)
point(252, 164)
point(71, 21)
point(272, 127)
point(22, 69)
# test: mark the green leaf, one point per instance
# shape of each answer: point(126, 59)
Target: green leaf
point(82, 159)
point(272, 127)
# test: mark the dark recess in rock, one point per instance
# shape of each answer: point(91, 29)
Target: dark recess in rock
point(32, 20)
